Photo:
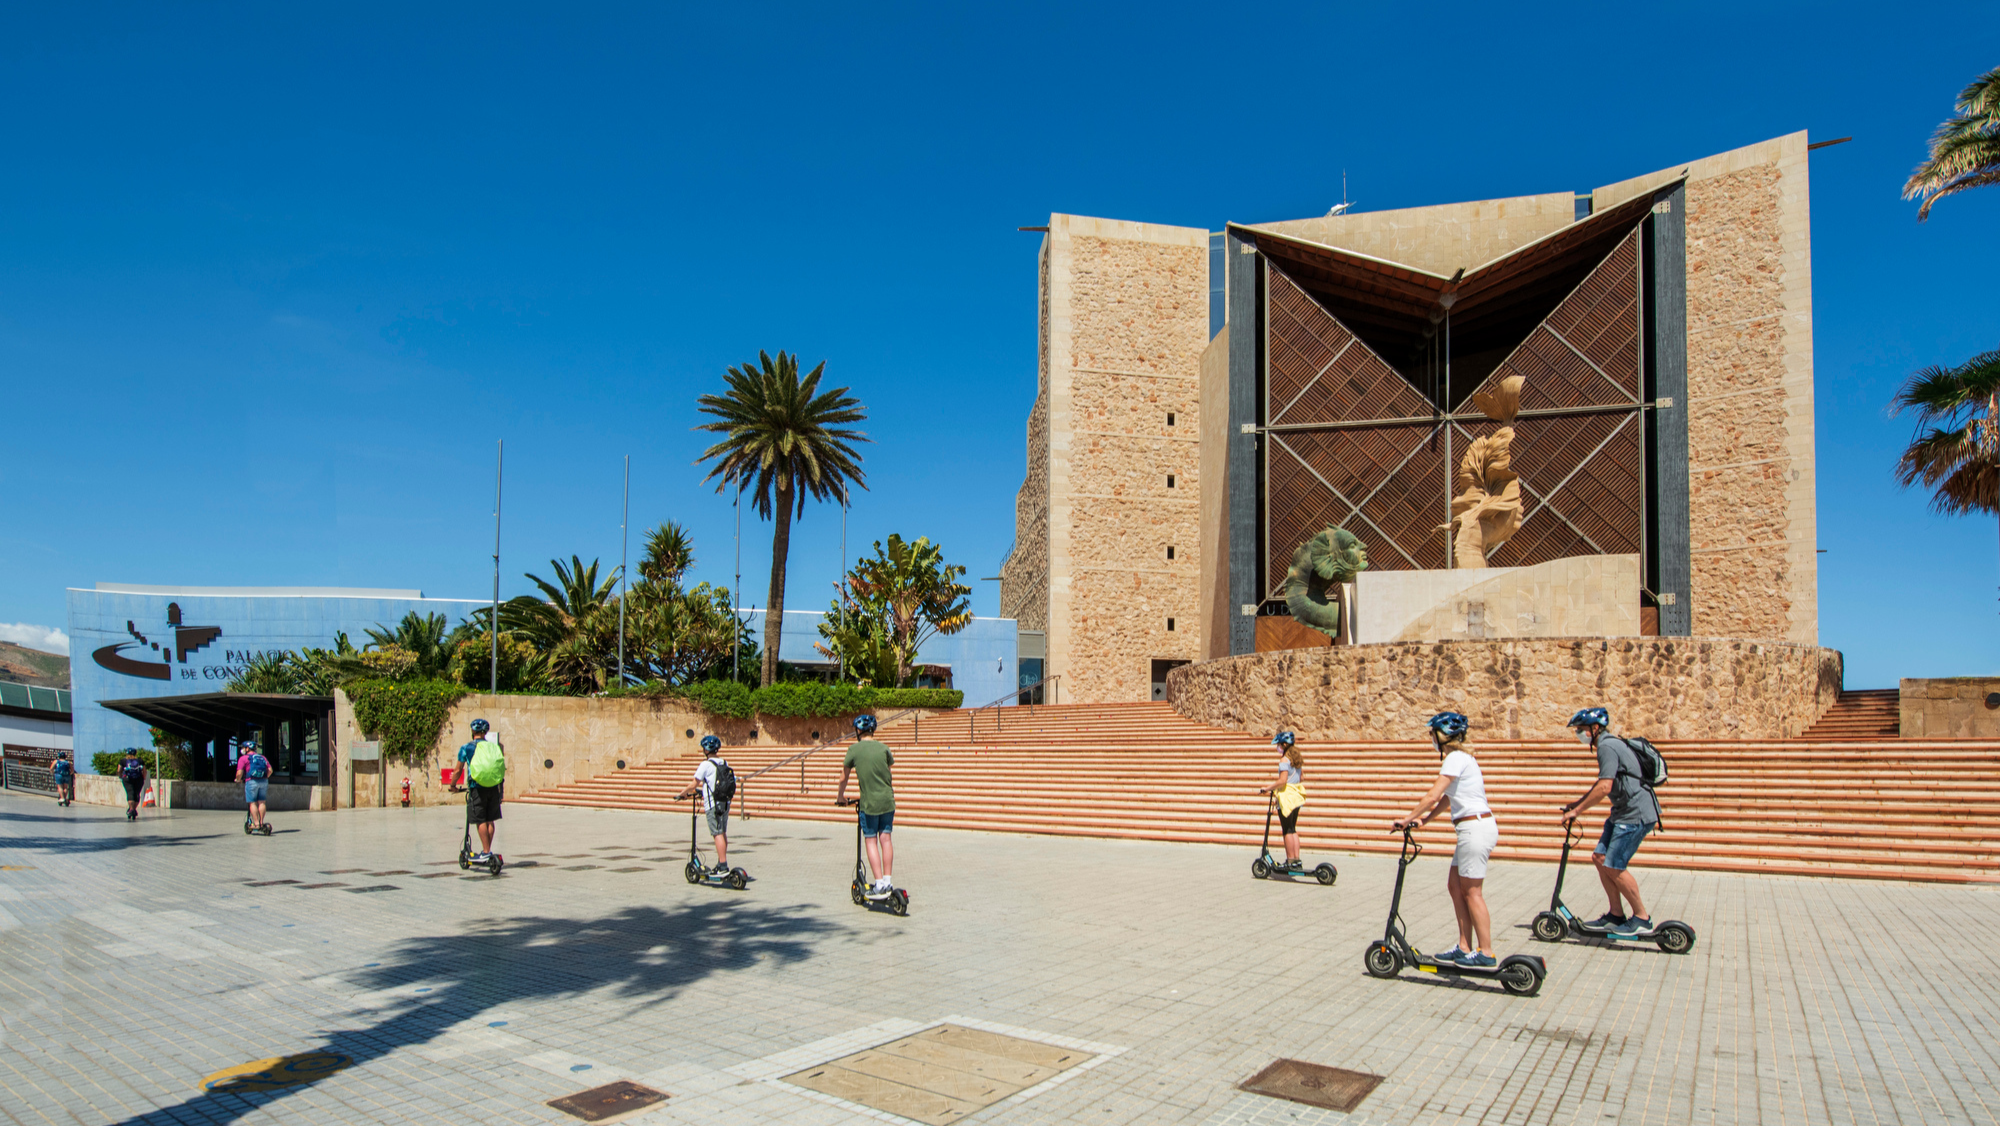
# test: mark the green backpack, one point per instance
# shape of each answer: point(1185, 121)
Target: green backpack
point(488, 767)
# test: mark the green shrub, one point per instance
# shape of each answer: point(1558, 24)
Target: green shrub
point(811, 700)
point(720, 698)
point(896, 699)
point(406, 715)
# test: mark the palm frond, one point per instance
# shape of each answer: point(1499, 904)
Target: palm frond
point(1965, 150)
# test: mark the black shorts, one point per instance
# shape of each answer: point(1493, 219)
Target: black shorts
point(133, 788)
point(1289, 822)
point(482, 803)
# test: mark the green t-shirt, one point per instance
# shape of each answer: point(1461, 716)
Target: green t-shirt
point(871, 761)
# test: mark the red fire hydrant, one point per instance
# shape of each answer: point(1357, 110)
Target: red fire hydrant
point(406, 793)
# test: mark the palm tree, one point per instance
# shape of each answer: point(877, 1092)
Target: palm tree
point(784, 438)
point(1965, 151)
point(422, 635)
point(1958, 459)
point(574, 627)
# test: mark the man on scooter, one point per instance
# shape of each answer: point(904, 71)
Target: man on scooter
point(1634, 813)
point(714, 808)
point(1461, 787)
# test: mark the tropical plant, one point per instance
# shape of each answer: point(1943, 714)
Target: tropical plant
point(678, 636)
point(669, 554)
point(859, 639)
point(574, 626)
point(911, 594)
point(1965, 150)
point(422, 636)
point(1958, 457)
point(406, 716)
point(472, 663)
point(783, 439)
point(308, 672)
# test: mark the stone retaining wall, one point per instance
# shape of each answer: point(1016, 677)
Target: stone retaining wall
point(1949, 708)
point(1518, 688)
point(577, 737)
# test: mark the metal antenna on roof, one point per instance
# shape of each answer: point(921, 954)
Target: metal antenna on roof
point(1344, 203)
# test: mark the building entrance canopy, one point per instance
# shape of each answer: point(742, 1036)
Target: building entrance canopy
point(293, 729)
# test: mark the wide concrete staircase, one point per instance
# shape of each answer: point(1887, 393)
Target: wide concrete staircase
point(1870, 807)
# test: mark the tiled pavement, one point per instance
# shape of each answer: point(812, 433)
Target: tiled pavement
point(135, 960)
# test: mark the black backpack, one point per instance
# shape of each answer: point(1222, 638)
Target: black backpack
point(724, 787)
point(131, 770)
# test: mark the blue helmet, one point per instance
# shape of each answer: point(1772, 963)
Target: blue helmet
point(1590, 716)
point(1448, 726)
point(864, 725)
point(479, 727)
point(710, 744)
point(1282, 739)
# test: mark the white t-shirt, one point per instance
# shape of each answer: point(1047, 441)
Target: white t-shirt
point(704, 776)
point(1467, 790)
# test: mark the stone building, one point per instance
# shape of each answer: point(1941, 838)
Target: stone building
point(1207, 400)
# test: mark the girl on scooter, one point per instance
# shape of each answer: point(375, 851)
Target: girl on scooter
point(1291, 796)
point(1461, 787)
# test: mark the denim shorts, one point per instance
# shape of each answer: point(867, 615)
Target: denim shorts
point(1620, 840)
point(256, 789)
point(874, 824)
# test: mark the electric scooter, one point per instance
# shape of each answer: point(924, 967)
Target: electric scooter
point(896, 901)
point(1558, 922)
point(248, 828)
point(493, 863)
point(1264, 867)
point(699, 873)
point(1519, 974)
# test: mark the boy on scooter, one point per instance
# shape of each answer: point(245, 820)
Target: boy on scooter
point(65, 776)
point(1634, 813)
point(871, 760)
point(253, 773)
point(716, 811)
point(485, 771)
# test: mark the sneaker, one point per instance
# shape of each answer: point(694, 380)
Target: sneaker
point(719, 870)
point(1453, 956)
point(1295, 865)
point(1606, 921)
point(1478, 961)
point(1633, 926)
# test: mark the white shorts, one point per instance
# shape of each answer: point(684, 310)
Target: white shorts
point(1476, 838)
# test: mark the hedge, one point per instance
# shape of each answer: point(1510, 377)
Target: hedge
point(801, 700)
point(407, 715)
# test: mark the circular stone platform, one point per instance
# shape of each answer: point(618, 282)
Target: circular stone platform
point(1518, 688)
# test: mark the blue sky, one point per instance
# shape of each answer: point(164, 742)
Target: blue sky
point(274, 279)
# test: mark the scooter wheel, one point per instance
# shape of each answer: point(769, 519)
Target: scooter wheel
point(266, 830)
point(495, 864)
point(1520, 979)
point(1326, 874)
point(693, 872)
point(739, 879)
point(1382, 960)
point(1674, 938)
point(1260, 869)
point(464, 860)
point(248, 828)
point(899, 901)
point(854, 890)
point(1551, 927)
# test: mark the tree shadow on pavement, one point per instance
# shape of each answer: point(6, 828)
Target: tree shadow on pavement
point(645, 955)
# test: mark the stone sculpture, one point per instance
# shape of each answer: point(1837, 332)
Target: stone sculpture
point(1319, 567)
point(1487, 509)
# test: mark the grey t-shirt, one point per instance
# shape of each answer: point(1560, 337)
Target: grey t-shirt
point(1630, 801)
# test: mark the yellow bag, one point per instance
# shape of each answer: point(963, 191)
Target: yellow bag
point(1290, 797)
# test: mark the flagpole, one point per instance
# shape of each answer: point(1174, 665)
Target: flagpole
point(624, 517)
point(499, 474)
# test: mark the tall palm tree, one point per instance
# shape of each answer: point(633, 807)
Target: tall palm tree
point(784, 439)
point(1965, 150)
point(1958, 459)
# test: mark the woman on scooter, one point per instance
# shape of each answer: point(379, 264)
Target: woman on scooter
point(1291, 796)
point(1461, 787)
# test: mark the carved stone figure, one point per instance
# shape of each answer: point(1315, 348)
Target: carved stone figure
point(1319, 567)
point(1487, 509)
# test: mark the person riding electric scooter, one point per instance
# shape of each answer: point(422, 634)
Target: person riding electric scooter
point(715, 781)
point(1288, 797)
point(875, 817)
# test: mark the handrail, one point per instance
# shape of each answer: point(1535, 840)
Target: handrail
point(973, 720)
point(898, 717)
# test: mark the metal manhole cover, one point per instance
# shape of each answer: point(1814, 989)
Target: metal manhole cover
point(601, 1104)
point(1334, 1088)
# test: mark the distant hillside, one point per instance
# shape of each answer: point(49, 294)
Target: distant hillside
point(32, 666)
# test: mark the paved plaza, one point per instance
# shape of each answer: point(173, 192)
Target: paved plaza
point(140, 960)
